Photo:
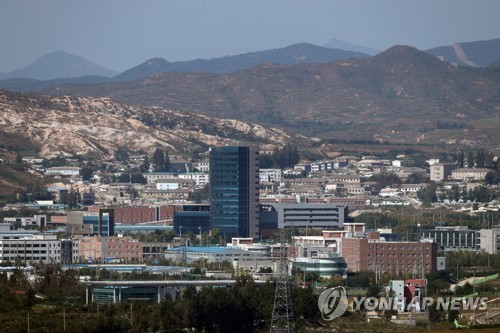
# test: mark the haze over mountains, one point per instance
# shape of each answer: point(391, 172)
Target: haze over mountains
point(59, 65)
point(64, 67)
point(399, 96)
point(396, 96)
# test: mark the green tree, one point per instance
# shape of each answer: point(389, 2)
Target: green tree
point(386, 179)
point(470, 159)
point(86, 173)
point(482, 194)
point(428, 195)
point(19, 158)
point(145, 165)
point(132, 192)
point(158, 160)
point(492, 177)
point(121, 154)
point(460, 159)
point(200, 195)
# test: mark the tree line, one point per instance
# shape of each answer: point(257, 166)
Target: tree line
point(246, 307)
point(285, 157)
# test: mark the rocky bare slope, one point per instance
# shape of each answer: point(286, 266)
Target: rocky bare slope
point(98, 126)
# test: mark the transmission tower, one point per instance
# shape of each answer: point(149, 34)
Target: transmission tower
point(282, 318)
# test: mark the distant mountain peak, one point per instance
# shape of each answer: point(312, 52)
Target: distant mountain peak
point(60, 64)
point(341, 45)
point(156, 62)
point(298, 53)
point(406, 53)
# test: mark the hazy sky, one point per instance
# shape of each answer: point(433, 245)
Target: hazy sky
point(119, 34)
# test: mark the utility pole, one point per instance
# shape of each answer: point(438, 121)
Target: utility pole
point(282, 317)
point(474, 295)
point(199, 228)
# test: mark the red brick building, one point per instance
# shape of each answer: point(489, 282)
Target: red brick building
point(373, 255)
point(136, 215)
point(99, 248)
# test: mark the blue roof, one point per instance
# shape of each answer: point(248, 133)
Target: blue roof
point(203, 249)
point(143, 227)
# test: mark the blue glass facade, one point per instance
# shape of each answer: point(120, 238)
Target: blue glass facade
point(234, 191)
point(103, 224)
point(190, 221)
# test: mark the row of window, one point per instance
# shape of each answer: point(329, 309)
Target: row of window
point(25, 245)
point(22, 251)
point(401, 254)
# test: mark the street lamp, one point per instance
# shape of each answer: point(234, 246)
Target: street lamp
point(199, 228)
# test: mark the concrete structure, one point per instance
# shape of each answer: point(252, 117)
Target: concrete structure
point(63, 171)
point(143, 214)
point(203, 166)
point(103, 249)
point(407, 294)
point(192, 218)
point(489, 240)
point(102, 221)
point(374, 255)
point(234, 191)
point(173, 196)
point(23, 222)
point(154, 250)
point(270, 175)
point(351, 202)
point(325, 266)
point(302, 215)
point(200, 178)
point(453, 238)
point(396, 291)
point(211, 254)
point(469, 174)
point(441, 171)
point(33, 248)
point(153, 177)
point(105, 292)
point(175, 184)
point(74, 224)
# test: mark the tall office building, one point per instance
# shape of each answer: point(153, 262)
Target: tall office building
point(234, 191)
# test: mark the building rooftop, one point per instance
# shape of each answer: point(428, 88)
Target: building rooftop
point(204, 249)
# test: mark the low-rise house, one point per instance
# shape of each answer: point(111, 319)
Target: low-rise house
point(412, 188)
point(63, 171)
point(203, 165)
point(23, 222)
point(469, 174)
point(174, 184)
point(200, 178)
point(152, 177)
point(270, 175)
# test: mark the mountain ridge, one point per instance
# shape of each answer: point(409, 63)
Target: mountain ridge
point(475, 53)
point(466, 54)
point(396, 96)
point(57, 65)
